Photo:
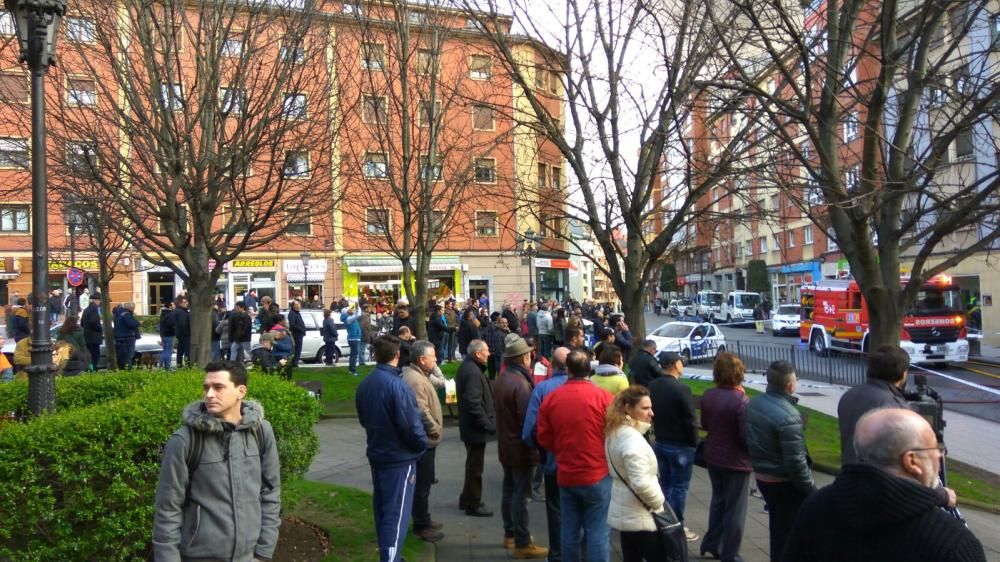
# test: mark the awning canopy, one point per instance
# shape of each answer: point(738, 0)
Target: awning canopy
point(393, 265)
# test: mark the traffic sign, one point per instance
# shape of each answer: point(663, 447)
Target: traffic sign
point(75, 276)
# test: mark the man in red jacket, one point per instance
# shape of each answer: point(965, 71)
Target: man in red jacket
point(571, 425)
point(511, 396)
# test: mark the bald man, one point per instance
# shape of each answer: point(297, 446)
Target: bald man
point(886, 508)
point(543, 389)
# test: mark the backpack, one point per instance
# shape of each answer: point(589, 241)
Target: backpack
point(196, 446)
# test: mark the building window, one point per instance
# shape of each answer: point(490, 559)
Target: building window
point(172, 97)
point(294, 53)
point(777, 243)
point(995, 31)
point(427, 172)
point(791, 238)
point(14, 153)
point(851, 127)
point(486, 170)
point(81, 91)
point(425, 61)
point(81, 158)
point(80, 30)
point(774, 203)
point(77, 222)
point(935, 95)
point(14, 218)
point(233, 100)
point(429, 112)
point(7, 26)
point(372, 56)
point(749, 249)
point(964, 149)
point(14, 88)
point(416, 17)
point(473, 23)
point(376, 222)
point(376, 165)
point(294, 106)
point(763, 244)
point(183, 220)
point(831, 244)
point(554, 82)
point(739, 250)
point(556, 177)
point(850, 72)
point(298, 222)
point(808, 234)
point(350, 8)
point(852, 179)
point(814, 194)
point(237, 219)
point(486, 224)
point(480, 67)
point(233, 46)
point(375, 109)
point(437, 221)
point(482, 118)
point(543, 172)
point(296, 164)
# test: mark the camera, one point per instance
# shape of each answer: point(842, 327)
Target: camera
point(925, 401)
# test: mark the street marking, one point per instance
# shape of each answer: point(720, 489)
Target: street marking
point(984, 373)
point(993, 391)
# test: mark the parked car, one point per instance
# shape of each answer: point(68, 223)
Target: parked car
point(785, 320)
point(681, 307)
point(692, 340)
point(313, 348)
point(147, 343)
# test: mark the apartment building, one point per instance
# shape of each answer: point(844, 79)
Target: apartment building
point(346, 128)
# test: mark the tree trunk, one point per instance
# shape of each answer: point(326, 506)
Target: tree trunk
point(885, 322)
point(109, 331)
point(632, 301)
point(200, 301)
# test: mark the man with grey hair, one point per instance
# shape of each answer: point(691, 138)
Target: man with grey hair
point(887, 507)
point(477, 424)
point(126, 332)
point(416, 375)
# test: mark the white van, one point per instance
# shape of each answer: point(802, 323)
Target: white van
point(739, 307)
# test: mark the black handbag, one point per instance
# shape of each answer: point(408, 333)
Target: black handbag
point(699, 455)
point(669, 529)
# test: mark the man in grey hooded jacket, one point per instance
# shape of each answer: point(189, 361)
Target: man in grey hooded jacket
point(227, 505)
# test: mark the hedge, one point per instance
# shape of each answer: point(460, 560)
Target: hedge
point(79, 484)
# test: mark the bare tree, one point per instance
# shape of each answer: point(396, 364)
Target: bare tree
point(884, 119)
point(408, 99)
point(629, 71)
point(206, 125)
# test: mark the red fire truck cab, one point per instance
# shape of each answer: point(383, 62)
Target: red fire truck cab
point(835, 316)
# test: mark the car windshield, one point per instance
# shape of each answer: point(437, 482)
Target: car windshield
point(788, 310)
point(684, 302)
point(712, 299)
point(674, 331)
point(937, 300)
point(746, 301)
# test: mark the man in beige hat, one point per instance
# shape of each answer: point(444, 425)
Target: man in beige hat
point(511, 395)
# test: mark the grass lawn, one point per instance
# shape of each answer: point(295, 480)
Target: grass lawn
point(346, 516)
point(823, 440)
point(339, 386)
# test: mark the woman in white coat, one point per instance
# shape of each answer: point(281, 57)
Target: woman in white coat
point(632, 464)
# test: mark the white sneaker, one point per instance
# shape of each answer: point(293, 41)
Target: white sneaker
point(691, 535)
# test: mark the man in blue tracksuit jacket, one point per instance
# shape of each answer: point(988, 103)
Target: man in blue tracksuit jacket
point(387, 409)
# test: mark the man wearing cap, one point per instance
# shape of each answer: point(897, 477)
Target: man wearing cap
point(512, 395)
point(93, 331)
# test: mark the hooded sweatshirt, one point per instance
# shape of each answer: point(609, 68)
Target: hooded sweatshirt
point(234, 509)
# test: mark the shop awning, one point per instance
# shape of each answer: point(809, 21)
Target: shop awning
point(393, 265)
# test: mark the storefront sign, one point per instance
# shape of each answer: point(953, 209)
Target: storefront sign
point(550, 263)
point(251, 264)
point(316, 266)
point(87, 265)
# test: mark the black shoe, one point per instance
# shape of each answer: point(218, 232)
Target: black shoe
point(429, 535)
point(709, 554)
point(480, 511)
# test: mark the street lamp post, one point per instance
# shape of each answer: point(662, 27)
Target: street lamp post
point(305, 273)
point(37, 23)
point(528, 250)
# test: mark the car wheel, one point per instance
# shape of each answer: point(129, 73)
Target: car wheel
point(818, 344)
point(686, 356)
point(320, 353)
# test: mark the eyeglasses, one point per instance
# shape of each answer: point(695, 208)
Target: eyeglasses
point(941, 448)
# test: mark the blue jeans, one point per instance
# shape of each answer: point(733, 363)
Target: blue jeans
point(216, 346)
point(355, 346)
point(168, 351)
point(442, 349)
point(676, 463)
point(585, 508)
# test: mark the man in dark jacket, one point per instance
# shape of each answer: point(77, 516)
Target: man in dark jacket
point(513, 392)
point(644, 368)
point(182, 328)
point(777, 444)
point(387, 409)
point(676, 433)
point(297, 327)
point(20, 321)
point(231, 507)
point(477, 424)
point(403, 318)
point(126, 332)
point(167, 334)
point(55, 305)
point(884, 510)
point(93, 330)
point(496, 338)
point(437, 330)
point(240, 327)
point(329, 333)
point(887, 370)
point(512, 322)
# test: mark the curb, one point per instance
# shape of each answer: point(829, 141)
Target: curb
point(983, 359)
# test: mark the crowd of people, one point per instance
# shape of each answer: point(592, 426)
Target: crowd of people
point(605, 450)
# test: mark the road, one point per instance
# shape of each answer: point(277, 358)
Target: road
point(971, 388)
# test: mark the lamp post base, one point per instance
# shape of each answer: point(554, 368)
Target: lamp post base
point(41, 388)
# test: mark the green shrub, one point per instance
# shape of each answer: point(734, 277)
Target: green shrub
point(79, 484)
point(149, 324)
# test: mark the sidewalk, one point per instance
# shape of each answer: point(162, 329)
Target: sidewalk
point(341, 460)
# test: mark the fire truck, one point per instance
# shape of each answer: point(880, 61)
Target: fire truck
point(835, 317)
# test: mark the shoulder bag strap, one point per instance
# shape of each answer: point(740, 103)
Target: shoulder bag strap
point(607, 453)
